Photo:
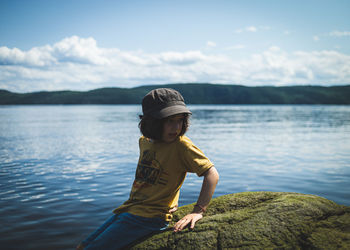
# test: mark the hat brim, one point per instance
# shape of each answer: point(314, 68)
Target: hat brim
point(169, 111)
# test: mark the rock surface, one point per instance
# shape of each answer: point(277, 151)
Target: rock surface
point(261, 220)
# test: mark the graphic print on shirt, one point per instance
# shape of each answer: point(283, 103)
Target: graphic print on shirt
point(148, 171)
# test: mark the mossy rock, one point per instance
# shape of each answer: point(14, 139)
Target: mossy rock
point(261, 220)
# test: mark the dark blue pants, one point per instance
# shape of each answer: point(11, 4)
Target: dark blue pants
point(121, 230)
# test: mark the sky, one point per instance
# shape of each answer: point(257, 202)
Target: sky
point(48, 45)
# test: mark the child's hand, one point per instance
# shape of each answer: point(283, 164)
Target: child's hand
point(190, 218)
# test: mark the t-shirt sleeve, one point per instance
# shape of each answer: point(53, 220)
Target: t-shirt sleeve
point(194, 159)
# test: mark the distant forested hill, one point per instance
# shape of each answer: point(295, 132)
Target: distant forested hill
point(193, 93)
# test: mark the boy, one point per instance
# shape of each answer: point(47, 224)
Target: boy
point(166, 155)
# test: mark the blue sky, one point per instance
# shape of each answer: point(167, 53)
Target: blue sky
point(84, 44)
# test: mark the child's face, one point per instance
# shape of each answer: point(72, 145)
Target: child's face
point(172, 127)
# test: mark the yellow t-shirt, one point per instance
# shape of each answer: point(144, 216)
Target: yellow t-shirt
point(161, 170)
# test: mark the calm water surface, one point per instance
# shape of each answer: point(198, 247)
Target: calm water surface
point(63, 169)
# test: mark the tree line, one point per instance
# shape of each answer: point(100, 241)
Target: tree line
point(194, 93)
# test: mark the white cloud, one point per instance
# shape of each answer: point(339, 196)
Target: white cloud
point(235, 47)
point(252, 29)
point(182, 58)
point(211, 44)
point(34, 57)
point(339, 33)
point(69, 50)
point(79, 50)
point(78, 63)
point(335, 33)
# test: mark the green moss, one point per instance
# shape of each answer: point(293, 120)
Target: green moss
point(261, 220)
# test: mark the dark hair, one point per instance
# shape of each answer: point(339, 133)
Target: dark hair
point(152, 128)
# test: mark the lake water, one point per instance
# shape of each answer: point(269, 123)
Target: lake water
point(63, 169)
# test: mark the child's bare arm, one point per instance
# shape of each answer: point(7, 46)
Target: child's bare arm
point(211, 178)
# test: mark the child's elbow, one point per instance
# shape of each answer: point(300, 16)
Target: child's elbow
point(217, 176)
point(213, 174)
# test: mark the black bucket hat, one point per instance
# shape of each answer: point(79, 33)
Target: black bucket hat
point(163, 102)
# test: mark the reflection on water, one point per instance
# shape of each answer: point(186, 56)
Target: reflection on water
point(63, 169)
